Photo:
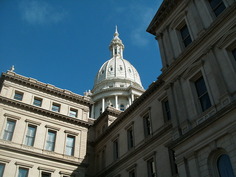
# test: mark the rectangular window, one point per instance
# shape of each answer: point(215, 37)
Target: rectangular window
point(23, 172)
point(202, 94)
point(18, 96)
point(147, 125)
point(132, 173)
point(73, 113)
point(115, 149)
point(217, 6)
point(30, 136)
point(2, 167)
point(173, 165)
point(166, 109)
point(70, 144)
point(151, 168)
point(234, 53)
point(130, 137)
point(50, 144)
point(37, 101)
point(56, 107)
point(9, 129)
point(185, 35)
point(45, 174)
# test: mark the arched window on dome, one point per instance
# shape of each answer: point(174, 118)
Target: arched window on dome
point(122, 107)
point(224, 166)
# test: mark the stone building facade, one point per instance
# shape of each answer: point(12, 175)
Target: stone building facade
point(183, 125)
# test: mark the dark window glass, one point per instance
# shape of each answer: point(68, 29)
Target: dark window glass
point(122, 107)
point(151, 168)
point(217, 6)
point(147, 125)
point(55, 107)
point(18, 96)
point(9, 130)
point(115, 149)
point(185, 35)
point(23, 172)
point(29, 140)
point(130, 136)
point(132, 173)
point(202, 94)
point(44, 174)
point(224, 166)
point(234, 53)
point(173, 164)
point(167, 110)
point(73, 113)
point(2, 167)
point(37, 102)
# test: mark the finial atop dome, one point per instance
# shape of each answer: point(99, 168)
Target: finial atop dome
point(116, 46)
point(12, 68)
point(116, 32)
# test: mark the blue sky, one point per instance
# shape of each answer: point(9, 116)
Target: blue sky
point(64, 43)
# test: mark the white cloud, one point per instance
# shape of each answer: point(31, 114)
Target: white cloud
point(39, 12)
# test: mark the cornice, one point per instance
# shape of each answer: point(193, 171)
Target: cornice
point(229, 12)
point(30, 82)
point(163, 12)
point(40, 155)
point(42, 111)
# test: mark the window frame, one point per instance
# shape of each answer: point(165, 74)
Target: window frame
point(73, 147)
point(18, 95)
point(26, 135)
point(56, 105)
point(147, 124)
point(3, 169)
point(213, 9)
point(115, 144)
point(184, 39)
point(23, 168)
point(151, 167)
point(37, 101)
point(166, 112)
point(12, 132)
point(73, 110)
point(46, 140)
point(130, 137)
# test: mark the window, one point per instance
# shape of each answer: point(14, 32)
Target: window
point(18, 96)
point(30, 136)
point(202, 93)
point(23, 172)
point(166, 109)
point(147, 125)
point(130, 138)
point(217, 6)
point(224, 166)
point(70, 144)
point(9, 129)
point(234, 53)
point(73, 113)
point(132, 173)
point(103, 158)
point(2, 167)
point(37, 101)
point(55, 107)
point(45, 174)
point(151, 168)
point(173, 164)
point(122, 107)
point(50, 144)
point(116, 149)
point(185, 35)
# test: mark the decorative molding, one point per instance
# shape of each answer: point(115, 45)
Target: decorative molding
point(52, 127)
point(12, 116)
point(46, 169)
point(4, 160)
point(32, 122)
point(24, 164)
point(71, 132)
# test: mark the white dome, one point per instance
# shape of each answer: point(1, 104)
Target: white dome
point(118, 68)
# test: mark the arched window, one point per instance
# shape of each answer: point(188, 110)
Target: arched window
point(224, 166)
point(122, 107)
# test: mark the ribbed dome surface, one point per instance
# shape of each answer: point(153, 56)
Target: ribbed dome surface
point(117, 68)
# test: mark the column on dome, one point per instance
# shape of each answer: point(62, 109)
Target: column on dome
point(116, 102)
point(103, 104)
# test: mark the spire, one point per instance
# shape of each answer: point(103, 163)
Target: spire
point(116, 46)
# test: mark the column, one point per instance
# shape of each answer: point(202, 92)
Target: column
point(116, 102)
point(132, 98)
point(92, 112)
point(130, 101)
point(103, 104)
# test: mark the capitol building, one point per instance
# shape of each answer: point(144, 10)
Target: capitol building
point(183, 125)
